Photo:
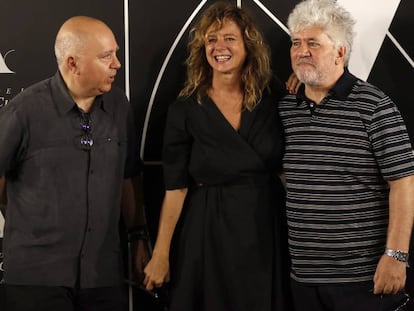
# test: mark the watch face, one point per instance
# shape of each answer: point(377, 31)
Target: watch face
point(401, 256)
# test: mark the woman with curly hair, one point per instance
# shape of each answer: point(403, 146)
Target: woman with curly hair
point(223, 146)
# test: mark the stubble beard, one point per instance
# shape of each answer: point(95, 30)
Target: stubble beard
point(312, 77)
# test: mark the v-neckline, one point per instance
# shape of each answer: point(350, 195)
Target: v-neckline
point(237, 131)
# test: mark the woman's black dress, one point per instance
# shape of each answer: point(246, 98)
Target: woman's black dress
point(224, 255)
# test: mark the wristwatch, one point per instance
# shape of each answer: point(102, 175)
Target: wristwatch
point(397, 255)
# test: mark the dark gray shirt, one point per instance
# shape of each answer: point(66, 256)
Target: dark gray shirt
point(64, 202)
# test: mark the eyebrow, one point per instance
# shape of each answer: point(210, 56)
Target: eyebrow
point(305, 39)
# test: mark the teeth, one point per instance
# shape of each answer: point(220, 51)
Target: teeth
point(221, 58)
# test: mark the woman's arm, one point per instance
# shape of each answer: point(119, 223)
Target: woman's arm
point(157, 270)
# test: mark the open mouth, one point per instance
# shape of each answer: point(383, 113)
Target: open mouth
point(222, 58)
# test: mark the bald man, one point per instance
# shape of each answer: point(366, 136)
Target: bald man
point(69, 155)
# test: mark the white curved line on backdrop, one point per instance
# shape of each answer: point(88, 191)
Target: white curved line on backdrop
point(161, 73)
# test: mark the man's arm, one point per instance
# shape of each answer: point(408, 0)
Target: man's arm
point(390, 275)
point(134, 218)
point(133, 202)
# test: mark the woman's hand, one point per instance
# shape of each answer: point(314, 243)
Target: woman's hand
point(157, 271)
point(292, 84)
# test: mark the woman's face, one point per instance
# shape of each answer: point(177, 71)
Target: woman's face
point(225, 49)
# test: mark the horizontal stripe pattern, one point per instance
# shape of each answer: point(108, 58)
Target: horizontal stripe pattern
point(338, 158)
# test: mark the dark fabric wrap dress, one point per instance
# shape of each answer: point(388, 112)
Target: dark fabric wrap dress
point(224, 248)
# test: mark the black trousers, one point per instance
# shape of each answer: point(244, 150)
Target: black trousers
point(347, 297)
point(43, 298)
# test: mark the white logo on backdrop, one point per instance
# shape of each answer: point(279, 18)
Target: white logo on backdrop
point(3, 65)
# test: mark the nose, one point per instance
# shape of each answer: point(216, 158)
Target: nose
point(220, 43)
point(303, 50)
point(116, 63)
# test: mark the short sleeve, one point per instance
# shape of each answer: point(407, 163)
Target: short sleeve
point(390, 141)
point(176, 147)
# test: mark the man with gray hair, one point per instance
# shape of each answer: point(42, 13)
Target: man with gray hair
point(349, 170)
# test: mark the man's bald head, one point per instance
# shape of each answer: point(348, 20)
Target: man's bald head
point(73, 35)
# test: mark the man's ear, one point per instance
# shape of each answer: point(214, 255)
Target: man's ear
point(340, 57)
point(71, 63)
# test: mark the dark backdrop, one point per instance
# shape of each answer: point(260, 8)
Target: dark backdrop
point(157, 54)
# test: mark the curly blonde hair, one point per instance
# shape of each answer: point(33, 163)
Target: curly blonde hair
point(256, 72)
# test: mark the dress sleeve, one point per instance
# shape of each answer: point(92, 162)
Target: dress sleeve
point(390, 141)
point(176, 147)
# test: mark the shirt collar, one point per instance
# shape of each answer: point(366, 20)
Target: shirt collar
point(340, 90)
point(64, 100)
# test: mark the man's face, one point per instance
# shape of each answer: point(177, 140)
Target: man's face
point(315, 59)
point(98, 63)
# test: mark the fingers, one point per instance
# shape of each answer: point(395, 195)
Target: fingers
point(389, 277)
point(156, 272)
point(385, 289)
point(298, 83)
point(154, 280)
point(151, 284)
point(148, 283)
point(292, 84)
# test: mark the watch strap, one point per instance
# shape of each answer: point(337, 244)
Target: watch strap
point(397, 254)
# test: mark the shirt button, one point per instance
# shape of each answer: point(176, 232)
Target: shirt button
point(91, 172)
point(89, 229)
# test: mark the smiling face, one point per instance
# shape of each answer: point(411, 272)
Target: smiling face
point(225, 49)
point(315, 59)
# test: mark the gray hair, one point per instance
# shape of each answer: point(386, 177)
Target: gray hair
point(336, 22)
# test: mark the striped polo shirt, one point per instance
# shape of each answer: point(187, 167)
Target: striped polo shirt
point(339, 156)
